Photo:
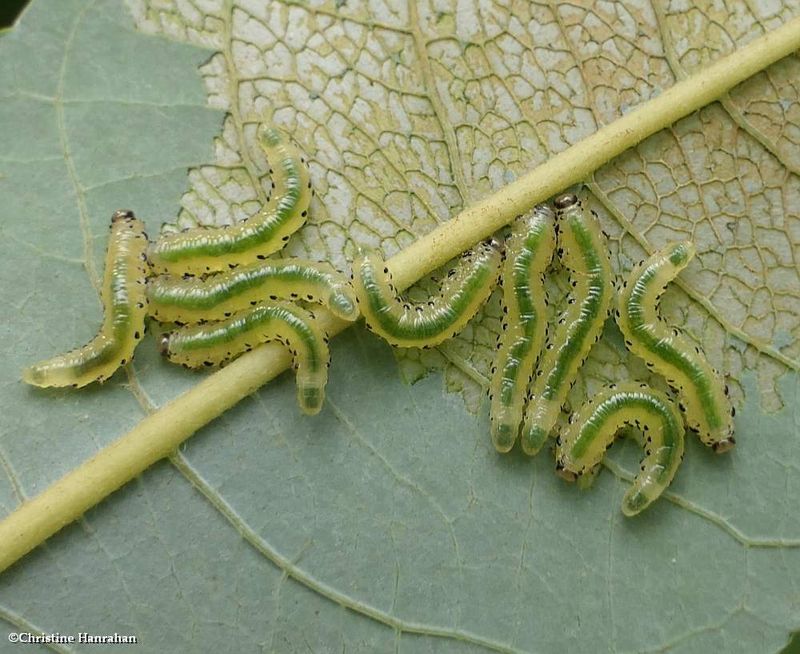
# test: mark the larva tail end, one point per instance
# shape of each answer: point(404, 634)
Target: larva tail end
point(681, 253)
point(343, 306)
point(35, 376)
point(533, 440)
point(270, 137)
point(310, 399)
point(635, 502)
point(503, 437)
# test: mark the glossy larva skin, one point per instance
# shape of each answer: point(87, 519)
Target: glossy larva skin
point(216, 343)
point(529, 251)
point(219, 296)
point(406, 324)
point(593, 430)
point(209, 249)
point(582, 250)
point(703, 398)
point(124, 306)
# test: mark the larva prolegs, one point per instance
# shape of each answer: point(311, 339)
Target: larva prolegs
point(582, 250)
point(701, 390)
point(406, 324)
point(592, 431)
point(529, 250)
point(124, 308)
point(216, 343)
point(210, 249)
point(219, 296)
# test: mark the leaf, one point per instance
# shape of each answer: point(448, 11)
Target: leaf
point(388, 523)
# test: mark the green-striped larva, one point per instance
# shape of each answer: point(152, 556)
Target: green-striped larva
point(219, 296)
point(703, 395)
point(124, 306)
point(592, 431)
point(405, 324)
point(216, 343)
point(582, 250)
point(210, 249)
point(529, 250)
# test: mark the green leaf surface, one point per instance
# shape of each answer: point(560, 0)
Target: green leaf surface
point(388, 523)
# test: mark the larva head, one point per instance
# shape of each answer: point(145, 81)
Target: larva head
point(565, 201)
point(493, 243)
point(724, 444)
point(122, 214)
point(564, 472)
point(163, 345)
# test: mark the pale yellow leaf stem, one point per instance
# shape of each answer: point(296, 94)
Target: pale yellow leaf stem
point(162, 432)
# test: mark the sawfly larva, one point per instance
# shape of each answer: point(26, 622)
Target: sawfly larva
point(209, 249)
point(702, 392)
point(220, 296)
point(529, 250)
point(216, 343)
point(582, 250)
point(406, 324)
point(659, 430)
point(124, 308)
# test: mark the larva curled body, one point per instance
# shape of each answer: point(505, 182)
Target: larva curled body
point(593, 429)
point(124, 307)
point(529, 251)
point(189, 300)
point(406, 324)
point(216, 343)
point(210, 249)
point(703, 399)
point(582, 250)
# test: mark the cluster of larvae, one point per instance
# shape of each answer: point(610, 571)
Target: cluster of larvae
point(537, 363)
point(219, 289)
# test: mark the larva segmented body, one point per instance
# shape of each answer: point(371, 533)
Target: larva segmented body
point(704, 401)
point(220, 296)
point(210, 249)
point(593, 430)
point(582, 250)
point(529, 250)
point(124, 306)
point(405, 324)
point(216, 343)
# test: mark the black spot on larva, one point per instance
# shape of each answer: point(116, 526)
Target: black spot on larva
point(261, 257)
point(285, 238)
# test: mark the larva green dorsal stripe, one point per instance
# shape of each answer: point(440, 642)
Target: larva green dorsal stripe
point(529, 250)
point(582, 250)
point(209, 249)
point(220, 296)
point(406, 324)
point(592, 431)
point(216, 343)
point(124, 306)
point(703, 397)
